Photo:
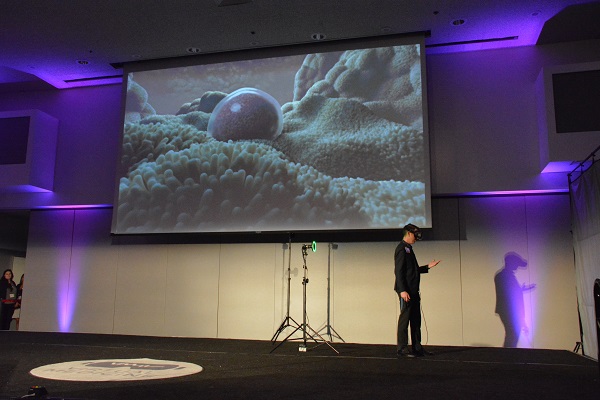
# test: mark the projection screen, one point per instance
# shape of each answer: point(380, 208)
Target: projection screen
point(299, 138)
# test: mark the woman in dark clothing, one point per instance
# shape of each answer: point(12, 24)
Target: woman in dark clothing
point(8, 297)
point(17, 314)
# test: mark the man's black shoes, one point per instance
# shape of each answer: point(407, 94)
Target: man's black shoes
point(422, 353)
point(405, 353)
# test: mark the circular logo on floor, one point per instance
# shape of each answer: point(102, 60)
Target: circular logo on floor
point(115, 370)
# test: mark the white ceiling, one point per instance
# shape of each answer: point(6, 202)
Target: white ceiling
point(73, 43)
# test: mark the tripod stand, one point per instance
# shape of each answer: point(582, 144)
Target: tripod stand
point(287, 321)
point(328, 328)
point(307, 330)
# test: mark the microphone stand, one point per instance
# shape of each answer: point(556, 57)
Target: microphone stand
point(287, 321)
point(307, 330)
point(328, 327)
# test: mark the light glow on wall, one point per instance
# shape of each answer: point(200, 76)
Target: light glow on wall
point(514, 192)
point(75, 207)
point(68, 301)
point(564, 166)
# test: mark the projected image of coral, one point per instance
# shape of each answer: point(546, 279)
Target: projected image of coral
point(324, 141)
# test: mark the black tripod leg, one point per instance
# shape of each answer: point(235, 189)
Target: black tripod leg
point(285, 340)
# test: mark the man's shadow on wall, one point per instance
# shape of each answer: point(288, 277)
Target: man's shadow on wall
point(510, 306)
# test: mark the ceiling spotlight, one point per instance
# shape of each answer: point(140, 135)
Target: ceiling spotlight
point(193, 50)
point(458, 22)
point(318, 36)
point(83, 62)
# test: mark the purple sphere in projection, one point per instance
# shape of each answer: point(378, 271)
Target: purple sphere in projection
point(245, 114)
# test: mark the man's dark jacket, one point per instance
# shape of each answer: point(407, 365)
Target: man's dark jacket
point(407, 270)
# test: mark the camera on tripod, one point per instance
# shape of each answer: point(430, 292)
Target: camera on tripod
point(312, 246)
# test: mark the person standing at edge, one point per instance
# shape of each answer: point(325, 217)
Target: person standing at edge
point(8, 298)
point(408, 278)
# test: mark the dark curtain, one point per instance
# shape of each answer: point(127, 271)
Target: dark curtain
point(585, 216)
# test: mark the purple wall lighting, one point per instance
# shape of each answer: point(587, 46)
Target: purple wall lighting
point(83, 229)
point(75, 207)
point(67, 304)
point(516, 192)
point(563, 166)
point(28, 146)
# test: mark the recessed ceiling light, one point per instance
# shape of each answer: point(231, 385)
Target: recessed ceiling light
point(318, 36)
point(83, 62)
point(458, 22)
point(386, 29)
point(193, 50)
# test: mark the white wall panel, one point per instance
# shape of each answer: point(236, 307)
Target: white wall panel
point(93, 273)
point(246, 290)
point(45, 295)
point(365, 302)
point(552, 270)
point(141, 290)
point(192, 290)
point(492, 228)
point(442, 319)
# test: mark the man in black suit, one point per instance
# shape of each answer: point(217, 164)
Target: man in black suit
point(408, 277)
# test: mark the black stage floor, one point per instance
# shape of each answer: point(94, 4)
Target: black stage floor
point(241, 369)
